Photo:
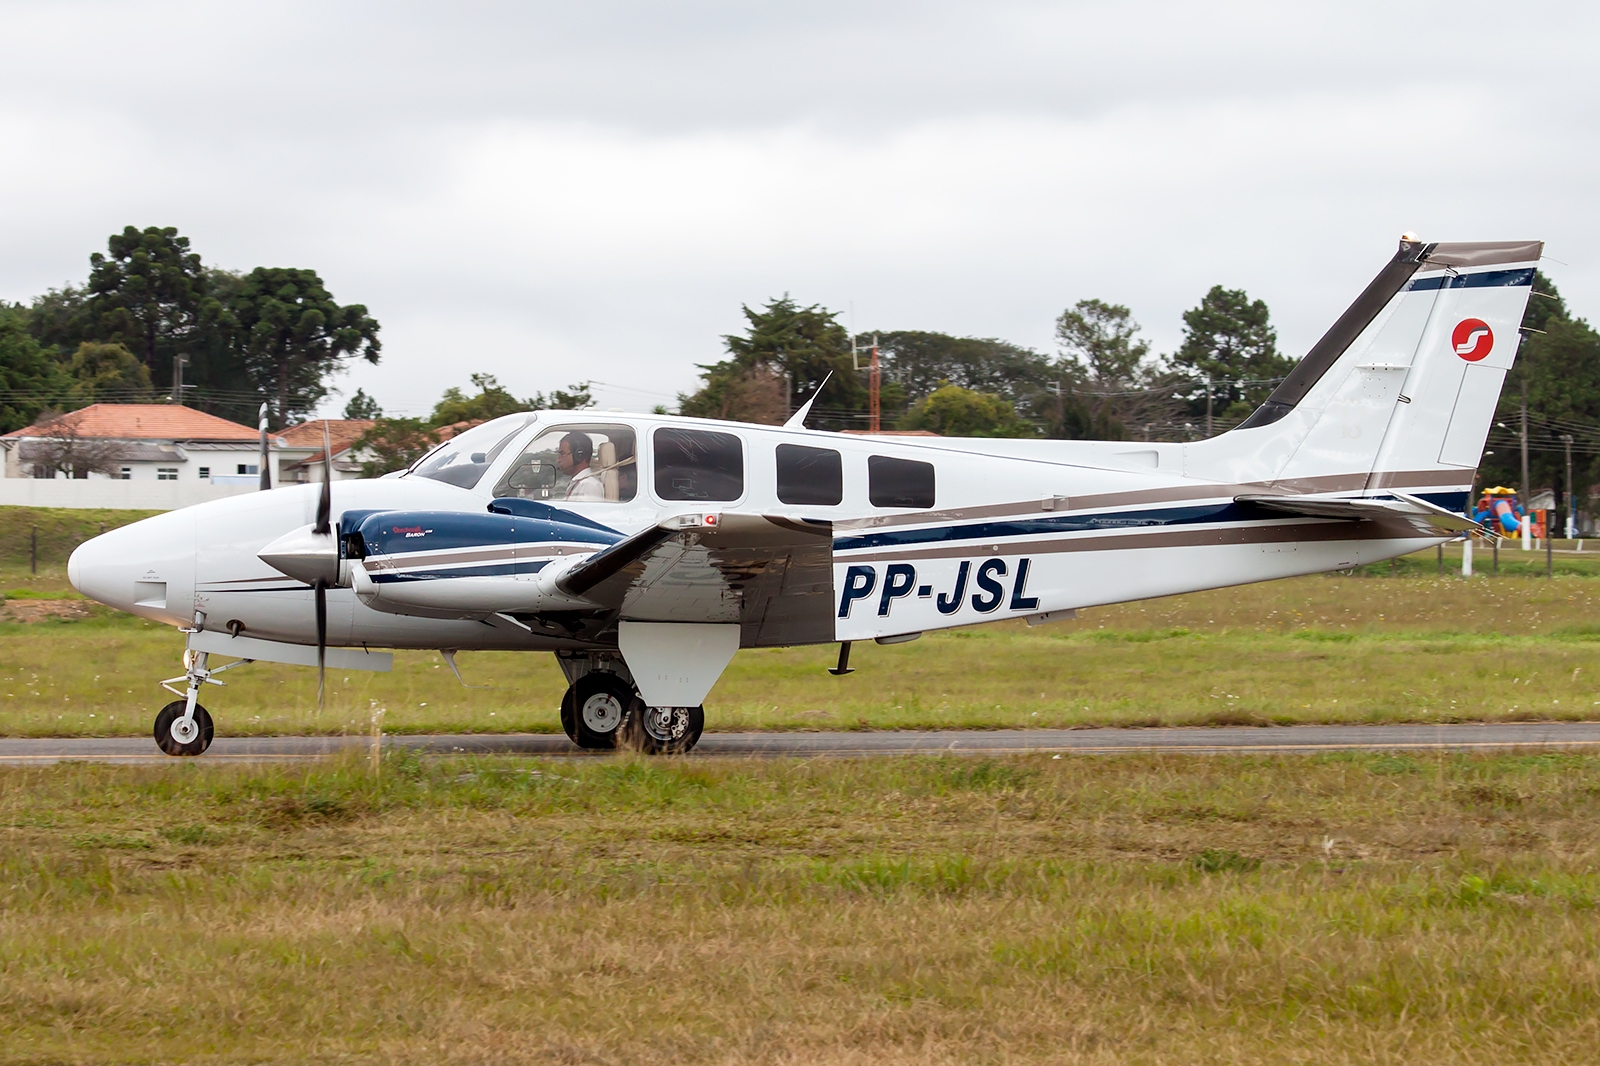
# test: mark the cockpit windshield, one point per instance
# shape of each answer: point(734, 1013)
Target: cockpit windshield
point(462, 459)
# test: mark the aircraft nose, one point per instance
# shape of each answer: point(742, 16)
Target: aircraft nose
point(146, 568)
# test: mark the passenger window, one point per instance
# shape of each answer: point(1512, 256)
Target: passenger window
point(577, 463)
point(695, 464)
point(811, 476)
point(899, 482)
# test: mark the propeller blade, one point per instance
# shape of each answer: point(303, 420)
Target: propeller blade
point(325, 501)
point(266, 456)
point(321, 590)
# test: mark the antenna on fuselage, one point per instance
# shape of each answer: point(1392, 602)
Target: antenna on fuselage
point(798, 419)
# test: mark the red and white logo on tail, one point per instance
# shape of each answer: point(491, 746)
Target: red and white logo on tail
point(1472, 339)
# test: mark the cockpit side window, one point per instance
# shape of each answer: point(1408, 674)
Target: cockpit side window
point(587, 463)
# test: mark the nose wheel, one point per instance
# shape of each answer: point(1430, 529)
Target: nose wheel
point(180, 734)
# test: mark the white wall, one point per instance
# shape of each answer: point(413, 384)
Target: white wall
point(119, 495)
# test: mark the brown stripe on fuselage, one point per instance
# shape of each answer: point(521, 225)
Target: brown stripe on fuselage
point(1307, 530)
point(1167, 494)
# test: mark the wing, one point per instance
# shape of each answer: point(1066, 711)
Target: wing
point(774, 576)
point(1428, 519)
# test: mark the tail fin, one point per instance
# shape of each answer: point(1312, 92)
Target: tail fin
point(1399, 394)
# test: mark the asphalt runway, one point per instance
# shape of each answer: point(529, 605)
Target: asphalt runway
point(1195, 741)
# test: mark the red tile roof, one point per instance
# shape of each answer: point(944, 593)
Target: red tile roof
point(342, 432)
point(143, 421)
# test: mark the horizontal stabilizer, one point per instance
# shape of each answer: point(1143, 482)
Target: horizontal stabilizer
point(1426, 518)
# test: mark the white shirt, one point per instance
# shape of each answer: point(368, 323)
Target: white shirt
point(586, 485)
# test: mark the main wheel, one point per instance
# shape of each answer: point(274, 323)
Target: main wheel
point(664, 730)
point(595, 707)
point(178, 737)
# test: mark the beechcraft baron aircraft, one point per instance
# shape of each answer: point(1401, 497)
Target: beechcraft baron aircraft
point(645, 550)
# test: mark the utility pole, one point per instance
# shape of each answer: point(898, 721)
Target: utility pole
point(1566, 438)
point(1208, 408)
point(1526, 491)
point(1061, 405)
point(178, 363)
point(874, 422)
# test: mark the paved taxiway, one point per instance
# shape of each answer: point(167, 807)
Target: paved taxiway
point(1238, 740)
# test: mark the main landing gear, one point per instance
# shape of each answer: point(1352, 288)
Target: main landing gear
point(602, 710)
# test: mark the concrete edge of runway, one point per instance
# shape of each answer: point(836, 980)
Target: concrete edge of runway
point(1236, 740)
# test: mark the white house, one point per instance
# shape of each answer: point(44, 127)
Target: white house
point(165, 455)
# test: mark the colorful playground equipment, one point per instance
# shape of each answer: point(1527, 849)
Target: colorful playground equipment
point(1500, 512)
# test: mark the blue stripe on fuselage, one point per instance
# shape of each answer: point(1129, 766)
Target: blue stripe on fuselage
point(1164, 516)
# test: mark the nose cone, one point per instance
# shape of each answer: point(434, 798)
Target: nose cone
point(146, 568)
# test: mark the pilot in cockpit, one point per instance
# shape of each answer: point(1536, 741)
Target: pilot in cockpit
point(573, 459)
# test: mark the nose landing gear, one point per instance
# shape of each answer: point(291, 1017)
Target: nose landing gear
point(183, 727)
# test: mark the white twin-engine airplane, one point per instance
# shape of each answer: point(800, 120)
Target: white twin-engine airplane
point(645, 550)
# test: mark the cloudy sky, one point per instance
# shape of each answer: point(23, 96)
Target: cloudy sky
point(554, 192)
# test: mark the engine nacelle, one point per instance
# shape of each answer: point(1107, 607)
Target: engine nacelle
point(453, 564)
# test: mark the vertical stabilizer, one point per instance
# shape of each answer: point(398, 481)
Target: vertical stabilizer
point(1399, 394)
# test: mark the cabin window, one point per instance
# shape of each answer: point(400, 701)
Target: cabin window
point(810, 476)
point(576, 463)
point(899, 482)
point(698, 465)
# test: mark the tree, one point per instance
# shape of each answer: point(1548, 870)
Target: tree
point(362, 406)
point(107, 373)
point(149, 294)
point(800, 345)
point(572, 398)
point(291, 334)
point(1106, 361)
point(492, 400)
point(394, 444)
point(953, 411)
point(1228, 339)
point(31, 378)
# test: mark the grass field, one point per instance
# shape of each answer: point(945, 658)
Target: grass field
point(1387, 643)
point(1353, 909)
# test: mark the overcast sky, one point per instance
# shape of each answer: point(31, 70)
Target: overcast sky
point(554, 192)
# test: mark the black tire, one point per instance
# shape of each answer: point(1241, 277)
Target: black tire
point(595, 708)
point(171, 744)
point(664, 730)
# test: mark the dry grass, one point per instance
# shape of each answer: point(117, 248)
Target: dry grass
point(1363, 908)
